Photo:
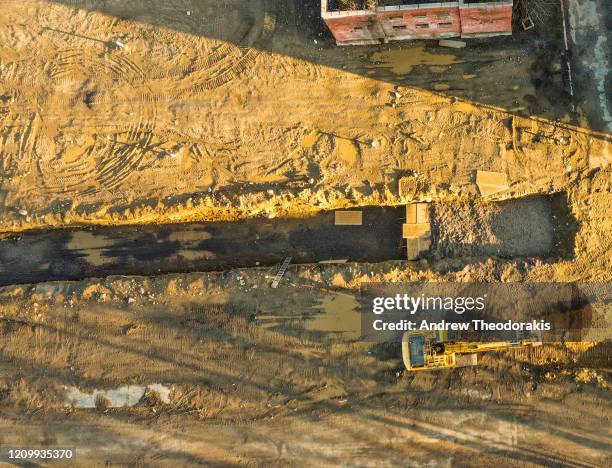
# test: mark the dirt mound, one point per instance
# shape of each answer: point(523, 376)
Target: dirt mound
point(513, 228)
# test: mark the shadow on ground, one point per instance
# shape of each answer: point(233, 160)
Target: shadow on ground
point(520, 73)
point(229, 373)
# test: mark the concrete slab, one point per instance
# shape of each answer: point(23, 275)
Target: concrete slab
point(588, 38)
point(422, 211)
point(417, 213)
point(466, 360)
point(128, 395)
point(416, 248)
point(411, 213)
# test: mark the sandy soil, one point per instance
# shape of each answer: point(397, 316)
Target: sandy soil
point(513, 228)
point(189, 119)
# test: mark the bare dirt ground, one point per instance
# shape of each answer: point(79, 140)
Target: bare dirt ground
point(128, 112)
point(512, 228)
point(242, 115)
point(276, 378)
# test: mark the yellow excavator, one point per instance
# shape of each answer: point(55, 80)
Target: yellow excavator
point(429, 350)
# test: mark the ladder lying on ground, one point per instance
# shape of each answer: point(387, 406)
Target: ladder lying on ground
point(281, 272)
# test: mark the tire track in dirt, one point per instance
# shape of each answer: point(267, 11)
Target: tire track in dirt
point(101, 164)
point(224, 62)
point(74, 76)
point(226, 34)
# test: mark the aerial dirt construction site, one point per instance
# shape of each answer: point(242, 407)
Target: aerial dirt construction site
point(305, 233)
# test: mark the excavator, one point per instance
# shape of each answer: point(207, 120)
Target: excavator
point(429, 350)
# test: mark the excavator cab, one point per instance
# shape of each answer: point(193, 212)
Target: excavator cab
point(426, 350)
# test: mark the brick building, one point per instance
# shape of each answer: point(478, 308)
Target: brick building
point(417, 19)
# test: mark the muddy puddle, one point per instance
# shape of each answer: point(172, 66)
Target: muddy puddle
point(147, 250)
point(337, 314)
point(403, 61)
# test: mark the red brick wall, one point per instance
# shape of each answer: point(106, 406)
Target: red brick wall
point(426, 22)
point(451, 21)
point(486, 19)
point(354, 28)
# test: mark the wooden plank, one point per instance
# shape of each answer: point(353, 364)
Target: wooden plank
point(411, 213)
point(414, 231)
point(422, 212)
point(413, 249)
point(349, 218)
